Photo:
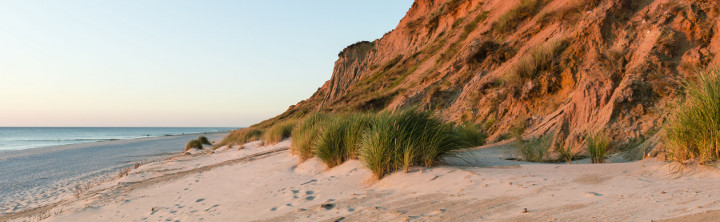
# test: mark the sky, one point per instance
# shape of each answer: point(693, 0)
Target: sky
point(173, 63)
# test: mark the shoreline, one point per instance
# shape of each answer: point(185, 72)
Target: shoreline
point(39, 177)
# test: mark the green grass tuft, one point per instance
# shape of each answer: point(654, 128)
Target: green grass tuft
point(304, 135)
point(599, 146)
point(279, 131)
point(242, 136)
point(536, 149)
point(193, 144)
point(204, 140)
point(471, 134)
point(403, 139)
point(340, 138)
point(694, 133)
point(566, 153)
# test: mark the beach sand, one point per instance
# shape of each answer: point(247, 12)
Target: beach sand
point(268, 184)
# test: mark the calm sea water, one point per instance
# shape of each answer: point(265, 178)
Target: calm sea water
point(18, 138)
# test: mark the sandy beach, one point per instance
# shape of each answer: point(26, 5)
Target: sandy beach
point(44, 176)
point(266, 183)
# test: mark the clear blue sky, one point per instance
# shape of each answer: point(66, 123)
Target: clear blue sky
point(173, 63)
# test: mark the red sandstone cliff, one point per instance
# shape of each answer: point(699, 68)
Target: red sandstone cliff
point(564, 66)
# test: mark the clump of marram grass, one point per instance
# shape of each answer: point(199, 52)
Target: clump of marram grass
point(193, 144)
point(339, 139)
point(535, 149)
point(330, 146)
point(599, 146)
point(403, 139)
point(304, 135)
point(279, 131)
point(566, 153)
point(204, 140)
point(242, 136)
point(694, 132)
point(471, 134)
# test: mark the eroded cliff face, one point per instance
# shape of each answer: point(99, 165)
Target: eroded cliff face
point(566, 67)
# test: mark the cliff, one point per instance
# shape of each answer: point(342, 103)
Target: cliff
point(565, 67)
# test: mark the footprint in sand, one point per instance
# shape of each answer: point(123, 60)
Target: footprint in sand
point(593, 194)
point(199, 200)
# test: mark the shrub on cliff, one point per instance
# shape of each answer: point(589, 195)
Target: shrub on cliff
point(524, 10)
point(193, 144)
point(694, 132)
point(279, 131)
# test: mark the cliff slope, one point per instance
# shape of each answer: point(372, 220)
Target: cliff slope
point(566, 67)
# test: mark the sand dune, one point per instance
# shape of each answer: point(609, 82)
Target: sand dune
point(268, 184)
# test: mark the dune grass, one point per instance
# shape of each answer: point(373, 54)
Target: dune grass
point(204, 140)
point(339, 139)
point(304, 135)
point(694, 132)
point(599, 146)
point(279, 131)
point(242, 136)
point(566, 153)
point(403, 139)
point(536, 149)
point(471, 134)
point(193, 144)
point(385, 142)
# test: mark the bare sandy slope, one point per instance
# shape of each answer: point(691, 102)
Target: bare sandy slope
point(268, 184)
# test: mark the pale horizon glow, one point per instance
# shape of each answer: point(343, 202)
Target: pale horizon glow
point(173, 63)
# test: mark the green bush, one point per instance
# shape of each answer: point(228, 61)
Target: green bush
point(193, 144)
point(536, 149)
point(204, 140)
point(694, 132)
point(305, 134)
point(471, 134)
point(403, 139)
point(598, 146)
point(279, 131)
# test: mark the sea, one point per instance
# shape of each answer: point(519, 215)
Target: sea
point(19, 138)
